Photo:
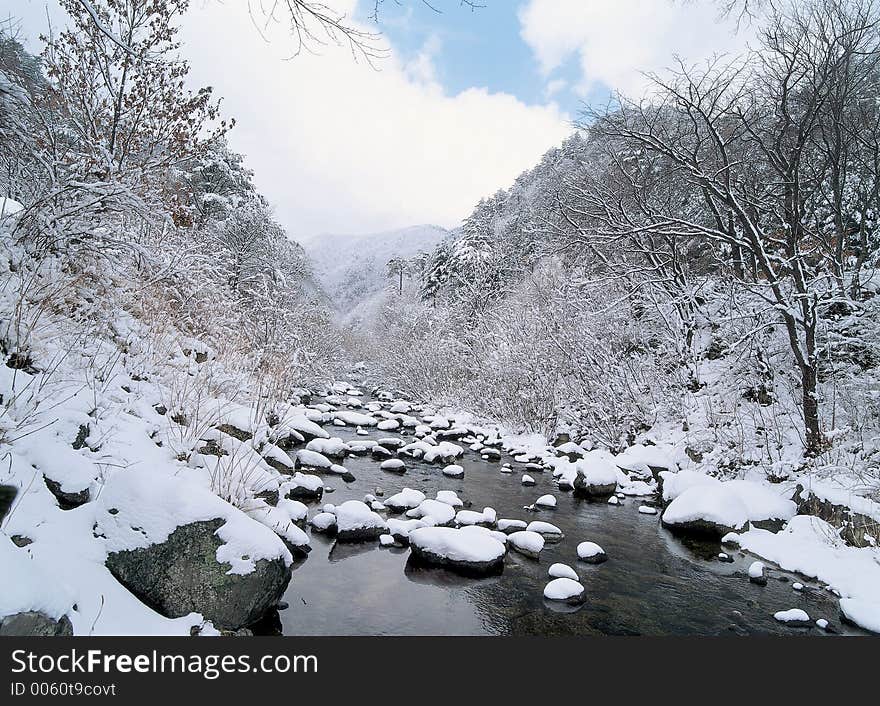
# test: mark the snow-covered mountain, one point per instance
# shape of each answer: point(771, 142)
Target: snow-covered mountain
point(353, 269)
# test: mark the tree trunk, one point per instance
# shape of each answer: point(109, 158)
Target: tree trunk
point(811, 410)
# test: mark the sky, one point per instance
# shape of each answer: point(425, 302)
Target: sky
point(465, 100)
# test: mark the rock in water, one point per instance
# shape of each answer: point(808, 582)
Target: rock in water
point(591, 553)
point(565, 589)
point(528, 543)
point(182, 575)
point(469, 553)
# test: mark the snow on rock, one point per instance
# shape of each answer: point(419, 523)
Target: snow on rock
point(313, 459)
point(591, 553)
point(386, 540)
point(551, 533)
point(527, 480)
point(596, 475)
point(811, 547)
point(647, 510)
point(393, 465)
point(862, 613)
point(756, 573)
point(9, 207)
point(29, 586)
point(471, 517)
point(302, 486)
point(298, 422)
point(646, 461)
point(565, 589)
point(278, 520)
point(356, 522)
point(674, 484)
point(324, 522)
point(433, 513)
point(471, 553)
point(793, 616)
point(185, 550)
point(509, 526)
point(562, 571)
point(388, 425)
point(453, 471)
point(400, 529)
point(450, 497)
point(763, 502)
point(405, 500)
point(333, 447)
point(355, 419)
point(526, 542)
point(547, 501)
point(708, 510)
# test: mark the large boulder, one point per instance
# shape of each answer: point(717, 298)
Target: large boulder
point(182, 575)
point(181, 549)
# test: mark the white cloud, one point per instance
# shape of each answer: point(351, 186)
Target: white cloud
point(615, 40)
point(340, 147)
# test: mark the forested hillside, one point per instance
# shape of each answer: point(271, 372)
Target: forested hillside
point(702, 260)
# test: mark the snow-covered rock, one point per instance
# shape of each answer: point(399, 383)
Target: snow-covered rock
point(356, 522)
point(471, 553)
point(546, 501)
point(566, 590)
point(526, 542)
point(450, 497)
point(393, 465)
point(793, 616)
point(562, 571)
point(549, 532)
point(433, 513)
point(709, 510)
point(453, 471)
point(591, 553)
point(596, 475)
point(324, 522)
point(184, 550)
point(510, 526)
point(406, 499)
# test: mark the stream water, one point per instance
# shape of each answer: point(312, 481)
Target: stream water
point(652, 584)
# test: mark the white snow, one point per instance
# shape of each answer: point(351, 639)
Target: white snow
point(433, 512)
point(450, 497)
point(392, 464)
point(792, 615)
point(150, 505)
point(587, 550)
point(354, 515)
point(562, 571)
point(647, 510)
point(458, 545)
point(563, 589)
point(453, 471)
point(505, 524)
point(546, 501)
point(407, 498)
point(313, 459)
point(811, 547)
point(709, 503)
point(524, 540)
point(543, 528)
point(756, 569)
